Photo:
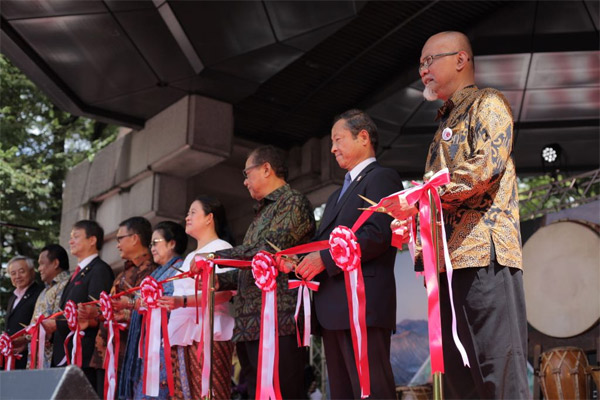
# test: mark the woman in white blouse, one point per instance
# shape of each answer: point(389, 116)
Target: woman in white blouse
point(206, 223)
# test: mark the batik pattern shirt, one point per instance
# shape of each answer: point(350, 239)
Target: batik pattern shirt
point(47, 303)
point(131, 276)
point(481, 203)
point(285, 218)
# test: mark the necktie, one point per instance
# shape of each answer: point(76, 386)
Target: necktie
point(444, 110)
point(75, 273)
point(347, 182)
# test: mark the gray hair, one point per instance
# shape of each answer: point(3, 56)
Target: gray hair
point(27, 260)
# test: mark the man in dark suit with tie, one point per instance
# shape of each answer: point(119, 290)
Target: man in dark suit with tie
point(90, 278)
point(21, 303)
point(354, 142)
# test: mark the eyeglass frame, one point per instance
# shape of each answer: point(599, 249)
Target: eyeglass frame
point(426, 64)
point(119, 238)
point(153, 242)
point(245, 170)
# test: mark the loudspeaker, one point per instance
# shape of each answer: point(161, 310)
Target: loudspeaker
point(52, 383)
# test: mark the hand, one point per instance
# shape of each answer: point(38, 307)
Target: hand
point(20, 343)
point(310, 266)
point(399, 207)
point(49, 325)
point(286, 264)
point(224, 296)
point(401, 229)
point(170, 302)
point(123, 316)
point(84, 324)
point(19, 348)
point(87, 312)
point(122, 303)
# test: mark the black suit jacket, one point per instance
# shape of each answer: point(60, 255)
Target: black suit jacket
point(90, 281)
point(374, 237)
point(22, 314)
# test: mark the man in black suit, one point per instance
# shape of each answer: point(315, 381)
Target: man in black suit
point(21, 303)
point(354, 142)
point(90, 278)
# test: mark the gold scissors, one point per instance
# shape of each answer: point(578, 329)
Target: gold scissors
point(378, 209)
point(291, 259)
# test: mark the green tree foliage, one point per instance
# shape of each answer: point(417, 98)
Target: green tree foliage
point(38, 144)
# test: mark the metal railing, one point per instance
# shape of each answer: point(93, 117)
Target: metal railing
point(560, 194)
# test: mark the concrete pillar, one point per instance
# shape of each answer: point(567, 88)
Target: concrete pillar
point(314, 171)
point(145, 172)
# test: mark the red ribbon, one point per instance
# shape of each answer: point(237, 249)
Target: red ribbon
point(71, 316)
point(204, 267)
point(111, 358)
point(154, 317)
point(38, 343)
point(6, 352)
point(345, 252)
point(420, 194)
point(265, 274)
point(303, 298)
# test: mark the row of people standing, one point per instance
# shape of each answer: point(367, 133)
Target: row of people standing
point(283, 217)
point(474, 141)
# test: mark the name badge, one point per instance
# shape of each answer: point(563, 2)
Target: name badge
point(447, 134)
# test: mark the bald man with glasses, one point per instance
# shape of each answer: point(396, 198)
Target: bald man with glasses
point(474, 140)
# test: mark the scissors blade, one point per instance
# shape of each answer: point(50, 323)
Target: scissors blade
point(371, 202)
point(277, 249)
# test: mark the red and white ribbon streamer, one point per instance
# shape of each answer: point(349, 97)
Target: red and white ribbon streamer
point(154, 317)
point(71, 316)
point(111, 358)
point(265, 273)
point(345, 252)
point(204, 267)
point(38, 343)
point(6, 351)
point(420, 194)
point(303, 299)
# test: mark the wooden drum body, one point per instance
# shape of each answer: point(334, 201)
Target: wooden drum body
point(563, 373)
point(424, 392)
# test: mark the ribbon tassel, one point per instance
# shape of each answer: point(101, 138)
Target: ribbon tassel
point(265, 275)
point(303, 299)
point(205, 268)
point(154, 320)
point(345, 252)
point(428, 198)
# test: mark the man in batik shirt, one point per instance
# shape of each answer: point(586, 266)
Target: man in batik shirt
point(284, 217)
point(53, 266)
point(133, 241)
point(481, 214)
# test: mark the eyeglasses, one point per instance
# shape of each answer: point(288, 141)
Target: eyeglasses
point(246, 170)
point(429, 59)
point(119, 238)
point(153, 243)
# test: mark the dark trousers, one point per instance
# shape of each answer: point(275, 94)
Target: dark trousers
point(291, 366)
point(341, 367)
point(90, 374)
point(100, 374)
point(492, 325)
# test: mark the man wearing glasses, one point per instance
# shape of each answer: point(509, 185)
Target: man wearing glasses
point(283, 217)
point(474, 141)
point(133, 242)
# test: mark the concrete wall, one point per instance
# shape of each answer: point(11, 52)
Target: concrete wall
point(145, 172)
point(186, 150)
